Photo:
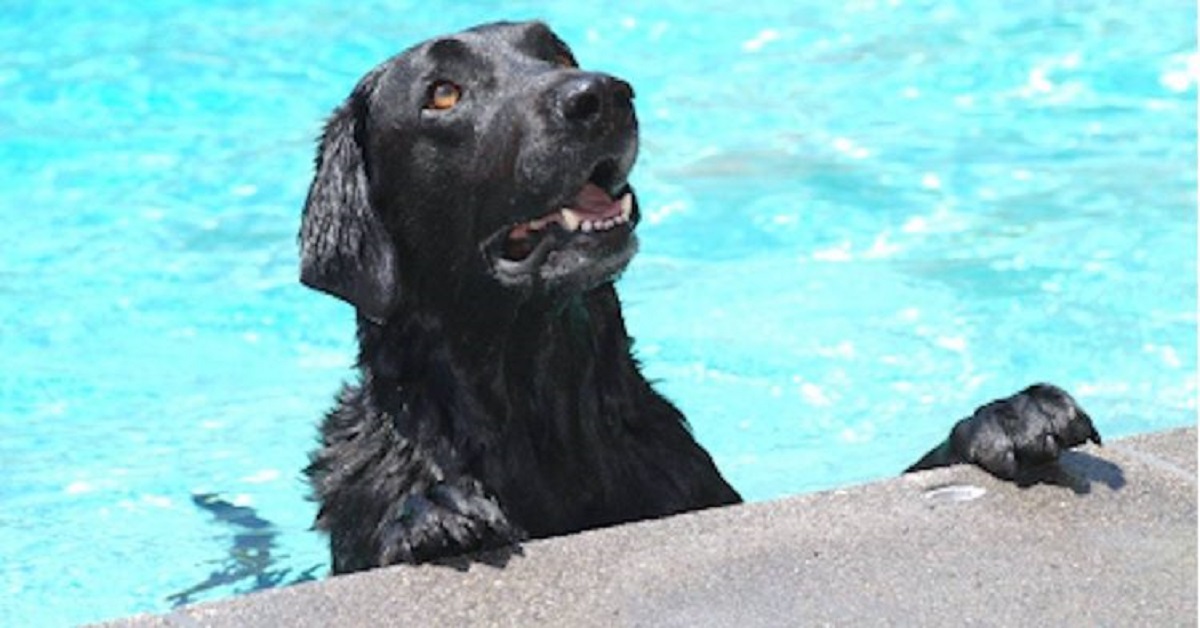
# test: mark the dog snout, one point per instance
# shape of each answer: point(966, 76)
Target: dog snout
point(590, 100)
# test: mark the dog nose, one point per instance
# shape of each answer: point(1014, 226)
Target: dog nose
point(590, 98)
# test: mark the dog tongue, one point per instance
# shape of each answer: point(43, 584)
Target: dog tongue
point(594, 203)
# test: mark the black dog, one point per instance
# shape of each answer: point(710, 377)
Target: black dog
point(471, 201)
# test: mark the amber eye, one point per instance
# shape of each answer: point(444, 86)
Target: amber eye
point(443, 95)
point(565, 60)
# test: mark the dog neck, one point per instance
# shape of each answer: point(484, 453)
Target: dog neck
point(480, 355)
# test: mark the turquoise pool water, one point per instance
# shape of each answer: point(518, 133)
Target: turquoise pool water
point(863, 219)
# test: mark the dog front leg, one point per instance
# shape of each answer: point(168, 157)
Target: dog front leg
point(1013, 436)
point(449, 518)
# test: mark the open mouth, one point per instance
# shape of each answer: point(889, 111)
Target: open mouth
point(592, 211)
point(595, 219)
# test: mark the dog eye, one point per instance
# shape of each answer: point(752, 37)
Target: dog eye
point(565, 60)
point(443, 95)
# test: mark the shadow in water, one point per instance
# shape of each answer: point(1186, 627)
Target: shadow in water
point(250, 564)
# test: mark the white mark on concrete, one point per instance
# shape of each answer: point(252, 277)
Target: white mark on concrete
point(955, 493)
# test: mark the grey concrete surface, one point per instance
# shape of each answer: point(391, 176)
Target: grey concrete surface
point(1111, 541)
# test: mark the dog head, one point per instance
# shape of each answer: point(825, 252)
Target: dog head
point(484, 156)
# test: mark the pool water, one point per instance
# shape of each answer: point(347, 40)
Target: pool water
point(863, 219)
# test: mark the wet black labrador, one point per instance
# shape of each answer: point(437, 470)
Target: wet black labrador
point(471, 201)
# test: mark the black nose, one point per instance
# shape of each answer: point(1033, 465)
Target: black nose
point(591, 99)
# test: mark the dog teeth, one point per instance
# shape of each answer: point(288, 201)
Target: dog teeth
point(570, 219)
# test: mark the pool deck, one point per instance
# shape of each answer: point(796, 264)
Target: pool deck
point(1113, 542)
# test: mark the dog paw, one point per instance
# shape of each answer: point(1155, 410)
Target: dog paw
point(1011, 436)
point(443, 521)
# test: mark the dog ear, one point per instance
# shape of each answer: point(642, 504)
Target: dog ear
point(345, 249)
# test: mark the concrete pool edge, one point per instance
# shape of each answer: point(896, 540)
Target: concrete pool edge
point(1113, 542)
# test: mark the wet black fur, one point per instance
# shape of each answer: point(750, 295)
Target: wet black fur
point(490, 408)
